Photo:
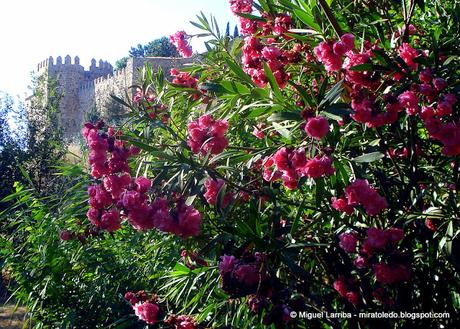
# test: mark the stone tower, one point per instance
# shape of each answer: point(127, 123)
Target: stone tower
point(70, 76)
point(83, 90)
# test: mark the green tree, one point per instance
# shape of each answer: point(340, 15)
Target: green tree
point(44, 140)
point(157, 48)
point(12, 152)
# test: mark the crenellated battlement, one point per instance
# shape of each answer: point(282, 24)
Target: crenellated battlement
point(49, 63)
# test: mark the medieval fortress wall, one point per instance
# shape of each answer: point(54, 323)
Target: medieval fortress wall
point(86, 90)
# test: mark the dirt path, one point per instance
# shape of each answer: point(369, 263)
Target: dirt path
point(11, 318)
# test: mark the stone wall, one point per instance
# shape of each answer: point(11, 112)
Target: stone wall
point(86, 90)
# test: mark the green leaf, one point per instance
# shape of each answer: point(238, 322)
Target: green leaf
point(252, 17)
point(337, 111)
point(272, 81)
point(282, 116)
point(282, 130)
point(369, 157)
point(362, 67)
point(119, 100)
point(333, 94)
point(235, 87)
point(307, 19)
point(238, 71)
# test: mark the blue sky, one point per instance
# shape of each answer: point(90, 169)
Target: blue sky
point(33, 30)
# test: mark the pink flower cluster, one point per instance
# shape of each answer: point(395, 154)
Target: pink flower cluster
point(360, 193)
point(150, 104)
point(185, 80)
point(437, 118)
point(271, 25)
point(255, 54)
point(181, 322)
point(101, 143)
point(347, 288)
point(390, 274)
point(366, 107)
point(119, 195)
point(290, 165)
point(213, 188)
point(179, 40)
point(247, 26)
point(241, 277)
point(384, 242)
point(317, 127)
point(114, 171)
point(378, 239)
point(331, 53)
point(148, 310)
point(439, 125)
point(207, 135)
point(145, 308)
point(348, 242)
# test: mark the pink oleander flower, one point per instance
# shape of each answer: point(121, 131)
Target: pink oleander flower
point(389, 274)
point(319, 166)
point(344, 287)
point(359, 79)
point(188, 221)
point(361, 193)
point(325, 54)
point(348, 40)
point(131, 298)
point(185, 322)
point(179, 40)
point(131, 200)
point(408, 54)
point(289, 166)
point(330, 53)
point(341, 204)
point(340, 285)
point(183, 221)
point(142, 184)
point(226, 264)
point(283, 23)
point(448, 133)
point(348, 242)
point(353, 297)
point(99, 198)
point(439, 84)
point(241, 6)
point(213, 188)
point(110, 220)
point(378, 239)
point(65, 235)
point(360, 262)
point(116, 184)
point(258, 132)
point(317, 127)
point(207, 135)
point(425, 75)
point(409, 101)
point(141, 217)
point(147, 312)
point(445, 104)
point(248, 274)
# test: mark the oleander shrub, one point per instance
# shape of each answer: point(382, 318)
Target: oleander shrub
point(309, 166)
